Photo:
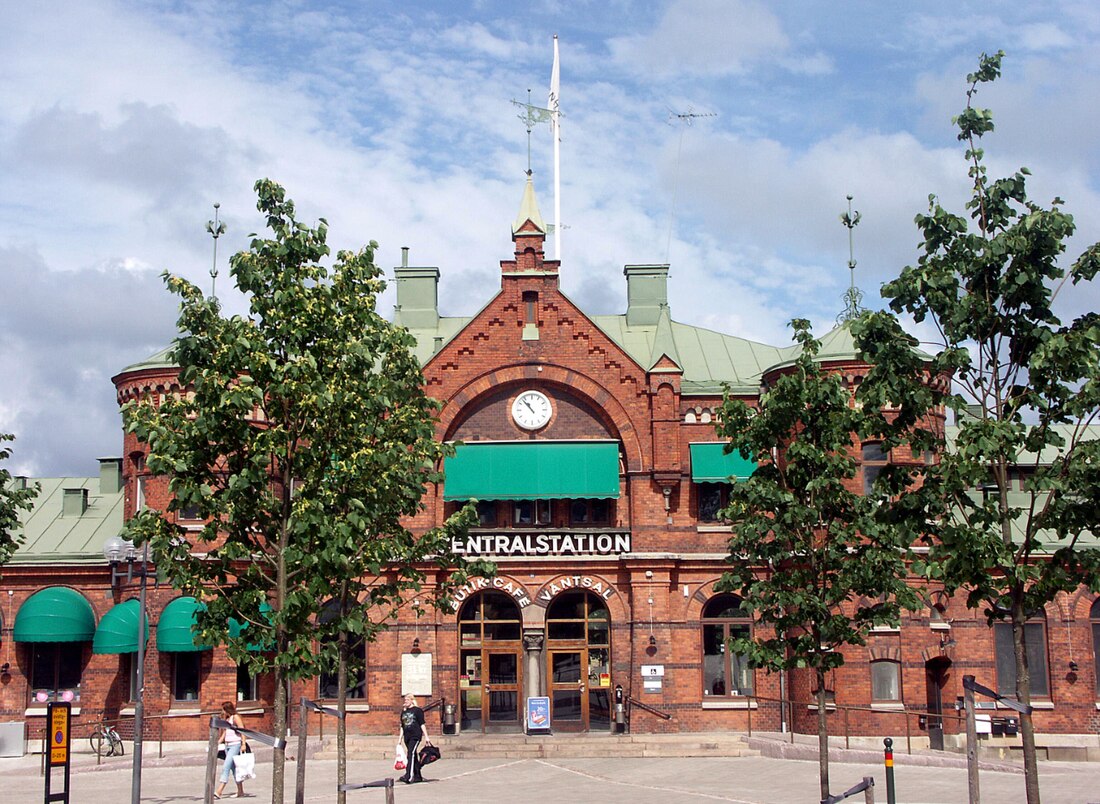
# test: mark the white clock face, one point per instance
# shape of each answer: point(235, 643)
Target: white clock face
point(531, 410)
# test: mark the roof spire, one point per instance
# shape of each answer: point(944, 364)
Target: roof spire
point(529, 209)
point(853, 297)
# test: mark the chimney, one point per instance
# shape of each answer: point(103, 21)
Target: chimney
point(110, 475)
point(75, 502)
point(646, 293)
point(417, 295)
point(19, 482)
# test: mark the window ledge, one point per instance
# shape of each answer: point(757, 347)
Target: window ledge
point(828, 707)
point(40, 711)
point(888, 706)
point(715, 528)
point(732, 703)
point(939, 625)
point(1046, 705)
point(126, 710)
point(356, 707)
point(885, 629)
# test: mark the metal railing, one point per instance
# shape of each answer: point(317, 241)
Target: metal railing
point(632, 702)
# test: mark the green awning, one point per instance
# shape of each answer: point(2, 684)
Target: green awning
point(176, 629)
point(236, 628)
point(533, 470)
point(711, 464)
point(55, 614)
point(117, 631)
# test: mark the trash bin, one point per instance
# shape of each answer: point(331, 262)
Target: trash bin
point(449, 726)
point(13, 741)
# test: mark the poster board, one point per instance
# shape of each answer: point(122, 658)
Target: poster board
point(416, 674)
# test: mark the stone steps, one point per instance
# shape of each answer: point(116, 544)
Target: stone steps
point(561, 746)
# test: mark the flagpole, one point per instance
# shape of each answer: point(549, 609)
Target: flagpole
point(555, 127)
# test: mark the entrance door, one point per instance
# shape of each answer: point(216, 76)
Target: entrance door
point(500, 710)
point(935, 673)
point(568, 702)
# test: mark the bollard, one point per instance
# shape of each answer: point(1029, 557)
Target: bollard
point(888, 757)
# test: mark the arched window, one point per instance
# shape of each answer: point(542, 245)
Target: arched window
point(578, 616)
point(490, 616)
point(1094, 618)
point(1035, 635)
point(725, 673)
point(327, 683)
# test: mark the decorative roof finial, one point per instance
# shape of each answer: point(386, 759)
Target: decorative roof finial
point(216, 229)
point(853, 297)
point(531, 116)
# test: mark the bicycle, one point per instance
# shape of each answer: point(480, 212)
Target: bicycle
point(105, 740)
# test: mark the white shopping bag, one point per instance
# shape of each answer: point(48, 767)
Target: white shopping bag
point(401, 758)
point(244, 766)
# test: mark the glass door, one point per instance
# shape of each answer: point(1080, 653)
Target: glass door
point(568, 682)
point(501, 707)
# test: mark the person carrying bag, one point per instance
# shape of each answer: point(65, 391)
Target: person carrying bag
point(412, 732)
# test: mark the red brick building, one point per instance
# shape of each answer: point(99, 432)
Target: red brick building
point(589, 441)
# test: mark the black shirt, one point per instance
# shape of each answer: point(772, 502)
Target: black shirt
point(411, 721)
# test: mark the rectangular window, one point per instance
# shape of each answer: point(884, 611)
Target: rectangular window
point(247, 688)
point(327, 686)
point(874, 459)
point(589, 512)
point(55, 671)
point(487, 513)
point(1096, 654)
point(724, 673)
point(531, 512)
point(139, 504)
point(185, 675)
point(712, 498)
point(131, 673)
point(1035, 636)
point(885, 681)
point(190, 513)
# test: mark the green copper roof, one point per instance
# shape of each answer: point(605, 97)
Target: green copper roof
point(55, 614)
point(117, 631)
point(50, 536)
point(533, 470)
point(158, 360)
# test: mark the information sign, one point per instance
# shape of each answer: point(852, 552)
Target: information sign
point(58, 744)
point(538, 714)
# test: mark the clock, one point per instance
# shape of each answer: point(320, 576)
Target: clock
point(531, 410)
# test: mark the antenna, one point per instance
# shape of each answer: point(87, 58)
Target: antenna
point(684, 120)
point(216, 229)
point(853, 296)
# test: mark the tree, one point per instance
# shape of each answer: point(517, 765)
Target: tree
point(303, 438)
point(13, 499)
point(1025, 387)
point(818, 562)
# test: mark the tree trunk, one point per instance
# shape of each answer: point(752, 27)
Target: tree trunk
point(1023, 695)
point(822, 736)
point(341, 722)
point(279, 756)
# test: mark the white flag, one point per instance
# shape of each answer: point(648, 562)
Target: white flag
point(552, 104)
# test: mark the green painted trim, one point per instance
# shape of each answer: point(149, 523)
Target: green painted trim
point(711, 464)
point(55, 614)
point(533, 470)
point(117, 631)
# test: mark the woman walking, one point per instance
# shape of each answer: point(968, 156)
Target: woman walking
point(412, 732)
point(235, 743)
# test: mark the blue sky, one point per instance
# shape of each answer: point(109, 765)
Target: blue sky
point(121, 123)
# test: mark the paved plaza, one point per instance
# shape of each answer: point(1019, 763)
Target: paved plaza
point(748, 780)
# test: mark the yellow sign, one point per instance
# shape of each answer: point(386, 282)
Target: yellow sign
point(59, 734)
point(605, 679)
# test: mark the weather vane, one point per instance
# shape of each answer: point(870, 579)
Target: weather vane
point(216, 229)
point(853, 297)
point(531, 116)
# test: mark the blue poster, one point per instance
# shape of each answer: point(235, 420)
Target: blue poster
point(538, 714)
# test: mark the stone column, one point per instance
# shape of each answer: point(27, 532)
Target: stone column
point(532, 673)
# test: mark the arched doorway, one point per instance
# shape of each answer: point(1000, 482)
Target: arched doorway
point(578, 662)
point(490, 660)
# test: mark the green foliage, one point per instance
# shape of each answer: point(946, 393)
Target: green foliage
point(1026, 386)
point(303, 440)
point(12, 501)
point(816, 560)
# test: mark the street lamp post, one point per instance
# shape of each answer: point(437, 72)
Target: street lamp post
point(115, 550)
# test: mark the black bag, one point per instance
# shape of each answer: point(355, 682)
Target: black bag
point(428, 754)
point(221, 751)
